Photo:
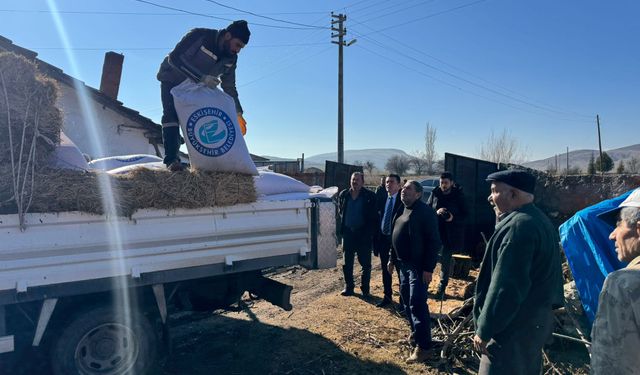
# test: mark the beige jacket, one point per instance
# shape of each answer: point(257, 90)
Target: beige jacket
point(616, 330)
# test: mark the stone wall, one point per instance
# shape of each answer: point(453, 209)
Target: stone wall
point(561, 197)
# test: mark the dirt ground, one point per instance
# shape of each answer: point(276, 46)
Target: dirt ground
point(325, 333)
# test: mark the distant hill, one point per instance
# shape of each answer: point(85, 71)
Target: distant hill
point(580, 158)
point(378, 156)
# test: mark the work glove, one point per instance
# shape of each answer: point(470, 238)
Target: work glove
point(242, 123)
point(210, 81)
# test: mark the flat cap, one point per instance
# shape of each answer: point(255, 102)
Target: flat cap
point(611, 216)
point(518, 178)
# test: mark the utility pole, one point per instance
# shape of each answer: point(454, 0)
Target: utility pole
point(599, 144)
point(567, 173)
point(340, 32)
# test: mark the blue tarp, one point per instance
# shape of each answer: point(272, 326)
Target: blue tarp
point(590, 252)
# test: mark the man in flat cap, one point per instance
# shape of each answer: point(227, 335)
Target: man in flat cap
point(616, 329)
point(520, 280)
point(203, 55)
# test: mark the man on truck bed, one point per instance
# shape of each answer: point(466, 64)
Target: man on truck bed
point(203, 55)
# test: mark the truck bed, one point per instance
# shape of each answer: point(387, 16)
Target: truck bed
point(68, 247)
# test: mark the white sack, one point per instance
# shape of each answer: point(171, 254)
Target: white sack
point(269, 183)
point(67, 155)
point(154, 166)
point(209, 123)
point(113, 162)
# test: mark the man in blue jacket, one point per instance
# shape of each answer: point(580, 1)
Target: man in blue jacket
point(203, 55)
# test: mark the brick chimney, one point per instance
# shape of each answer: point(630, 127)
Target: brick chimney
point(111, 73)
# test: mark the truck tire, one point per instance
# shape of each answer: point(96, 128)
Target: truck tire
point(101, 340)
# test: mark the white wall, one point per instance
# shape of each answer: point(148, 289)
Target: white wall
point(114, 140)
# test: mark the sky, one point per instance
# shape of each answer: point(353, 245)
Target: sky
point(539, 70)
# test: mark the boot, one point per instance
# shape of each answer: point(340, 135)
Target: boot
point(171, 143)
point(419, 355)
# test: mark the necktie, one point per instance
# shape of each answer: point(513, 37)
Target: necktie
point(388, 212)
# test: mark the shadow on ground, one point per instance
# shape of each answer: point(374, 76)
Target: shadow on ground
point(224, 345)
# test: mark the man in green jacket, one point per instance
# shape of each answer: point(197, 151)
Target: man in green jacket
point(520, 280)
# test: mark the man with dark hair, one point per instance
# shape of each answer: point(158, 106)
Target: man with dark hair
point(203, 55)
point(520, 280)
point(448, 202)
point(415, 246)
point(357, 209)
point(616, 329)
point(387, 208)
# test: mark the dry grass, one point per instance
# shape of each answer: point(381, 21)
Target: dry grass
point(57, 190)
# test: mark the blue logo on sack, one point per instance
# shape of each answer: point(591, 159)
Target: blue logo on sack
point(211, 131)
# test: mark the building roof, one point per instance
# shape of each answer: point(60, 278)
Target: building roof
point(153, 131)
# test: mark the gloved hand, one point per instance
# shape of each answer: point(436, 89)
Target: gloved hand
point(242, 123)
point(210, 81)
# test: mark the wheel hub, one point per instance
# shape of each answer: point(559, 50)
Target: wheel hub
point(107, 349)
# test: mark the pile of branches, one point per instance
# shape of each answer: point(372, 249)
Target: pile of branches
point(455, 330)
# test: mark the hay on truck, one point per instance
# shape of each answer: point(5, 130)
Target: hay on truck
point(30, 126)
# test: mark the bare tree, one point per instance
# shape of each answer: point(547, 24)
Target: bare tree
point(503, 148)
point(418, 163)
point(368, 166)
point(430, 155)
point(398, 164)
point(633, 165)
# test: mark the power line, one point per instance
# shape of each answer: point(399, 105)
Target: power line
point(473, 75)
point(427, 16)
point(386, 14)
point(221, 18)
point(265, 17)
point(166, 48)
point(491, 90)
point(456, 86)
point(98, 12)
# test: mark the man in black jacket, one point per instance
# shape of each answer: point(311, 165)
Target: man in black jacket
point(203, 55)
point(357, 209)
point(447, 201)
point(416, 243)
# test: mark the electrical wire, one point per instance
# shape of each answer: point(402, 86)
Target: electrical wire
point(465, 80)
point(408, 46)
point(461, 88)
point(265, 17)
point(167, 48)
point(220, 18)
point(141, 13)
point(427, 16)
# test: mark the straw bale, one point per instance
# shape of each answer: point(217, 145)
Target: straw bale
point(59, 190)
point(27, 111)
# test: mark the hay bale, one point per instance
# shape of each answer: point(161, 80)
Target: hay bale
point(28, 112)
point(60, 190)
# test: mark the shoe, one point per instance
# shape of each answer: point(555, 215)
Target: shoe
point(419, 355)
point(385, 302)
point(366, 294)
point(347, 292)
point(176, 166)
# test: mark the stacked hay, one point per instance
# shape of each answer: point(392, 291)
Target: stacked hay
point(30, 125)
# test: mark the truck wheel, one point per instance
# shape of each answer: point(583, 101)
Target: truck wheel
point(101, 341)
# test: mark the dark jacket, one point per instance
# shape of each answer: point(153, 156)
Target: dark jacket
point(381, 205)
point(424, 239)
point(197, 55)
point(520, 277)
point(369, 211)
point(452, 232)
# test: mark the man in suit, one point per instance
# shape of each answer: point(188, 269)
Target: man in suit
point(357, 209)
point(387, 207)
